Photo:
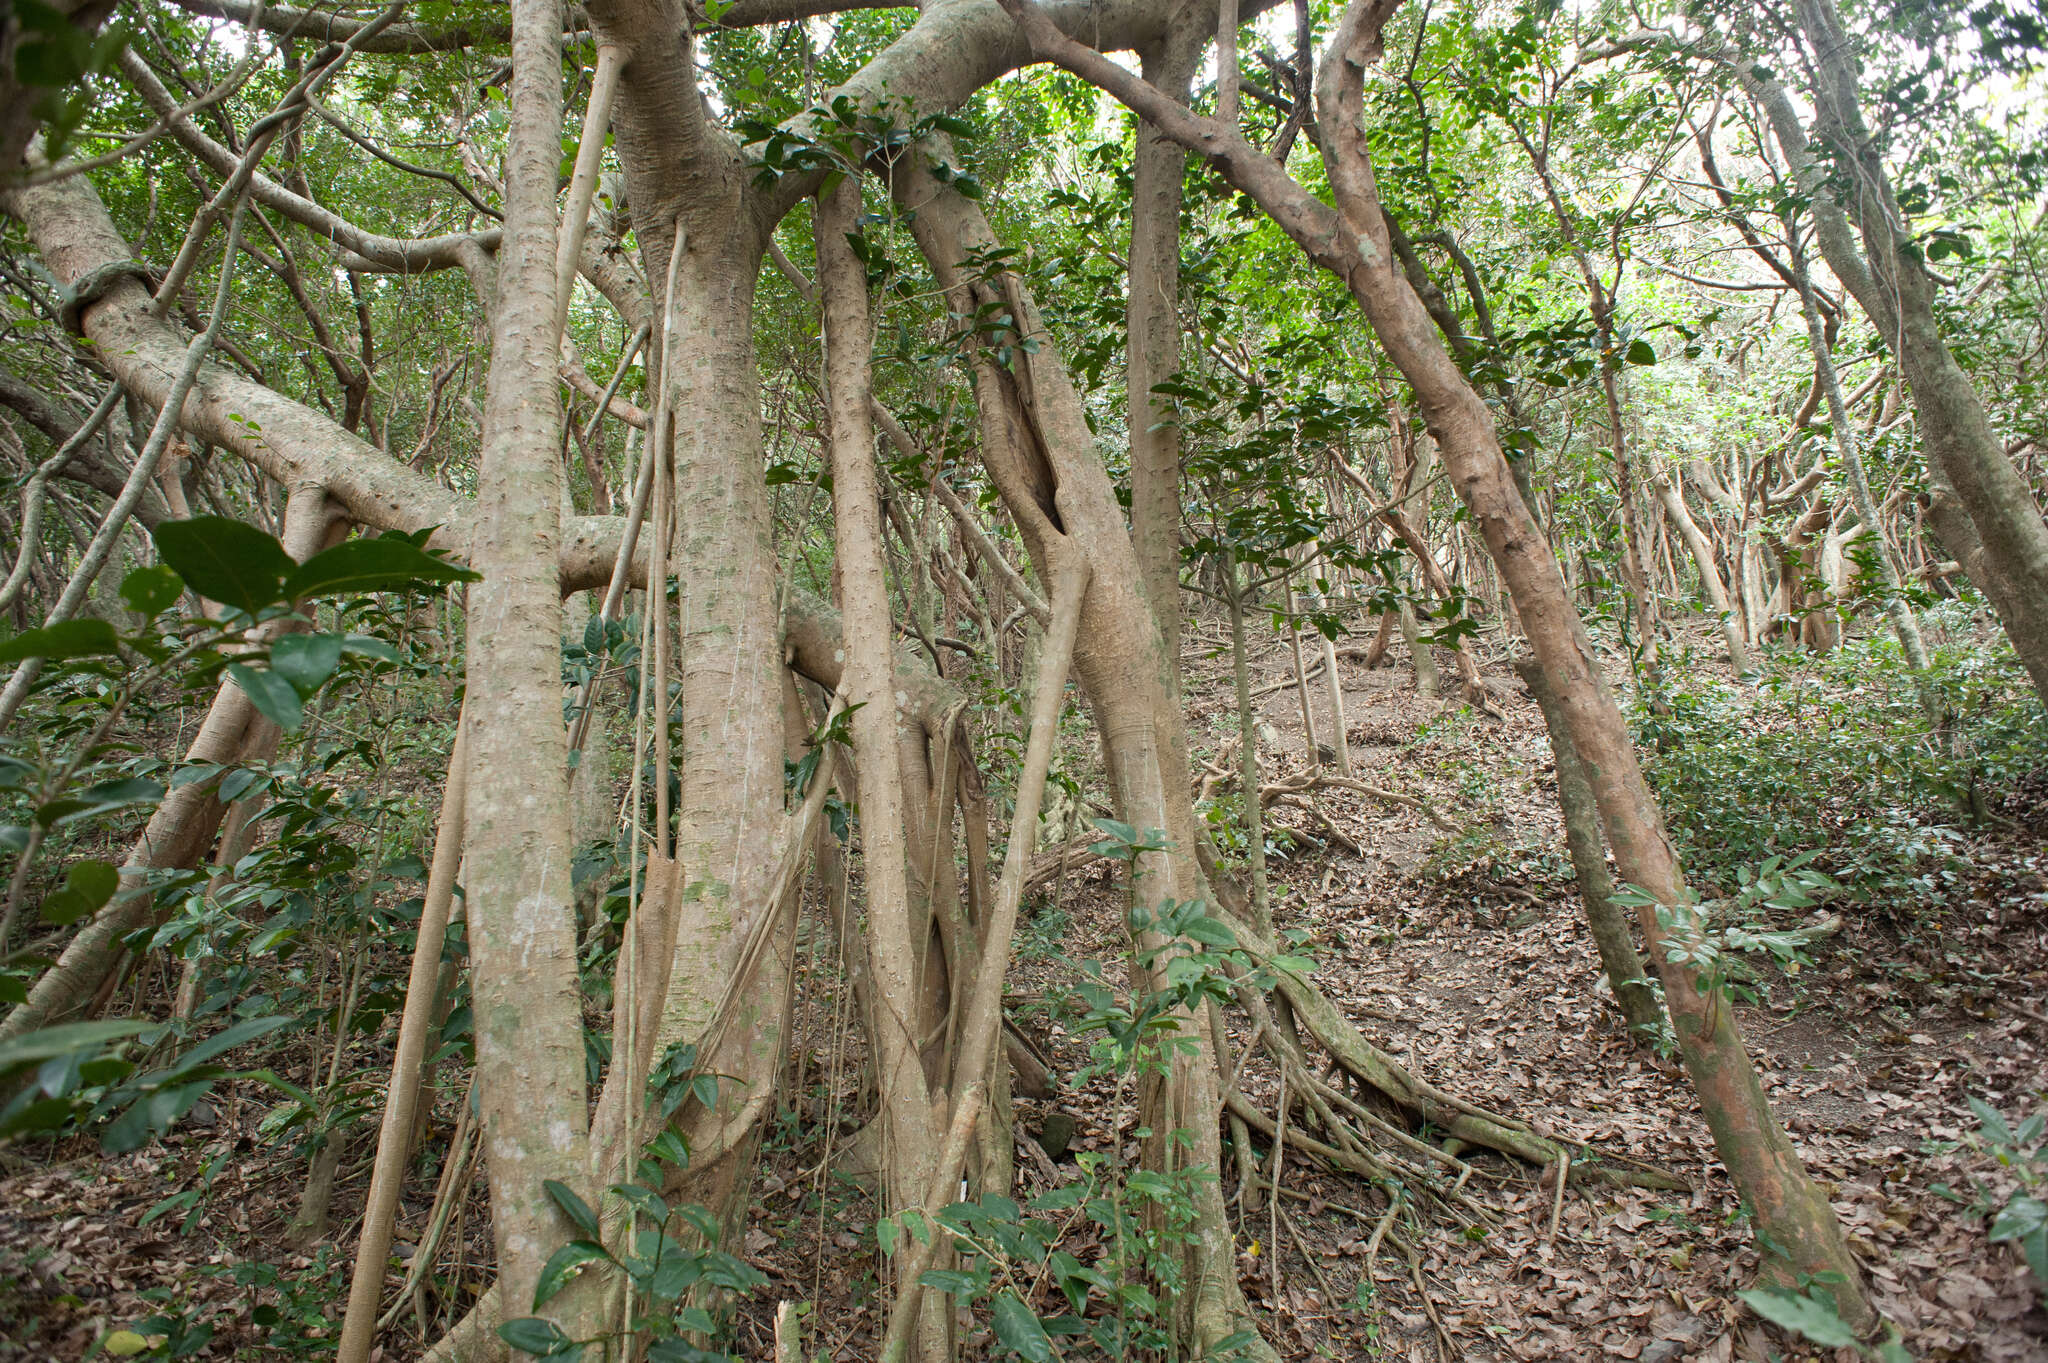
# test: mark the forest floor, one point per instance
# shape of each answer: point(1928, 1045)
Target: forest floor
point(1465, 957)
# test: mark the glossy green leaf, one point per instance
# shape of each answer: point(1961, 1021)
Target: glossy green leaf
point(1018, 1329)
point(564, 1264)
point(224, 560)
point(67, 639)
point(541, 1338)
point(87, 885)
point(574, 1207)
point(387, 563)
point(306, 660)
point(152, 590)
point(276, 698)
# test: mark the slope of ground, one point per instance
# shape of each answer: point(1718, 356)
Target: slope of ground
point(1463, 955)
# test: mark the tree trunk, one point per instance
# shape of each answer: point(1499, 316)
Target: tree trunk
point(1609, 925)
point(1673, 502)
point(183, 826)
point(1799, 1230)
point(522, 930)
point(910, 1138)
point(1152, 316)
point(1042, 459)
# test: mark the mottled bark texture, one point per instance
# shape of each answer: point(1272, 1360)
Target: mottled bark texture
point(1152, 332)
point(522, 925)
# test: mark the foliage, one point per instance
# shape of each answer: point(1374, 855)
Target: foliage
point(2019, 1214)
point(1835, 758)
point(661, 1270)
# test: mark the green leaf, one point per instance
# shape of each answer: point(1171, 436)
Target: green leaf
point(66, 639)
point(563, 1265)
point(574, 1207)
point(384, 564)
point(225, 560)
point(36, 1047)
point(1992, 1120)
point(226, 1040)
point(277, 698)
point(87, 885)
point(1209, 932)
point(1019, 1331)
point(2023, 1216)
point(306, 660)
point(1640, 352)
point(949, 1280)
point(151, 590)
point(98, 799)
point(363, 646)
point(541, 1338)
point(1810, 1317)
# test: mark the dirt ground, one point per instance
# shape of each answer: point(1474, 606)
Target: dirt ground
point(1469, 963)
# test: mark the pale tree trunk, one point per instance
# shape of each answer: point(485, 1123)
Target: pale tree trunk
point(522, 929)
point(1340, 742)
point(688, 186)
point(1152, 314)
point(1428, 681)
point(1042, 459)
point(1890, 281)
point(1673, 502)
point(910, 1136)
point(1248, 752)
point(183, 826)
point(1896, 608)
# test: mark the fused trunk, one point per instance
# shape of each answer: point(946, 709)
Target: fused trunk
point(910, 1140)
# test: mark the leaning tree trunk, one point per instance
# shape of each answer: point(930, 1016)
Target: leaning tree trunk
point(1608, 924)
point(183, 826)
point(1798, 1227)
